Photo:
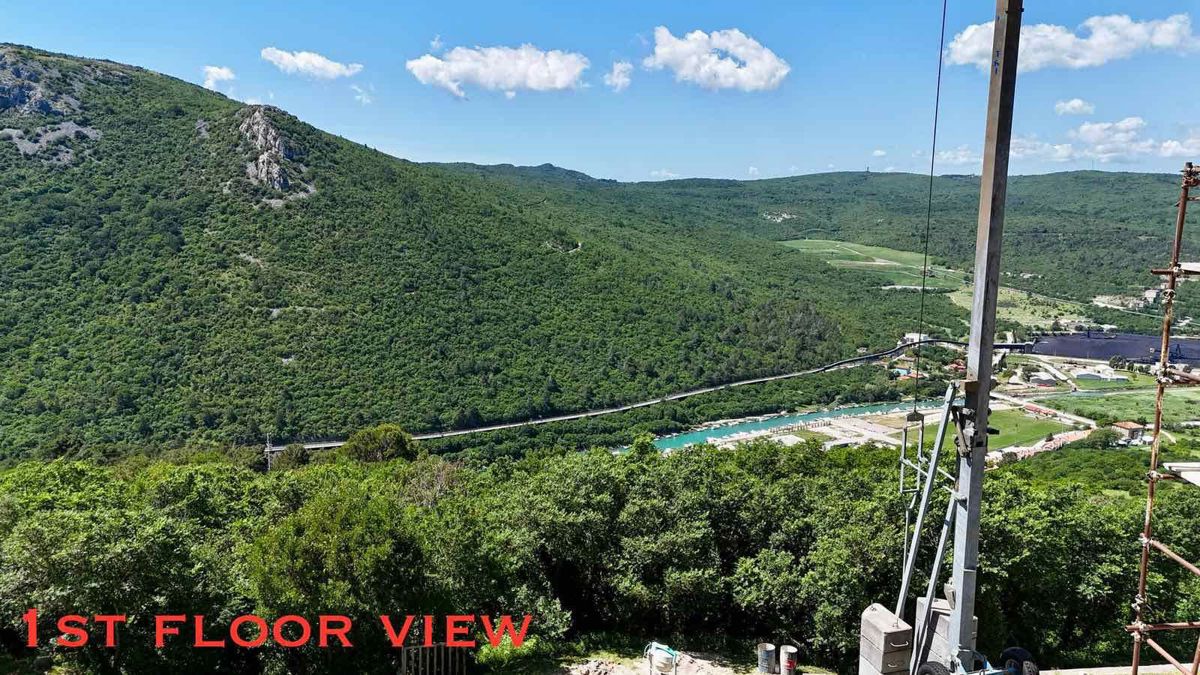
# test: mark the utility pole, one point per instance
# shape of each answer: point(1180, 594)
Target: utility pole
point(978, 385)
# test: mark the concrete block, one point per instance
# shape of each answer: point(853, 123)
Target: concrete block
point(884, 630)
point(940, 618)
point(865, 668)
point(881, 662)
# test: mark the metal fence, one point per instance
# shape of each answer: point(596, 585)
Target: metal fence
point(436, 660)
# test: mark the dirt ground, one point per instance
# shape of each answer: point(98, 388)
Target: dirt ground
point(689, 664)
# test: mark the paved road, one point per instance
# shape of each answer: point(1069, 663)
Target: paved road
point(844, 363)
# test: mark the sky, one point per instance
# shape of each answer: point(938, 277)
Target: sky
point(645, 90)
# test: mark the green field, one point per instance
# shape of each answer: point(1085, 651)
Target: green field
point(1016, 428)
point(900, 268)
point(903, 268)
point(1179, 405)
point(1136, 381)
point(1027, 309)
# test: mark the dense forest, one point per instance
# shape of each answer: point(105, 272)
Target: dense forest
point(704, 549)
point(1073, 235)
point(161, 280)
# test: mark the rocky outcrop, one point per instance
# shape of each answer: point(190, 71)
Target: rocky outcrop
point(24, 89)
point(270, 150)
point(52, 143)
point(272, 156)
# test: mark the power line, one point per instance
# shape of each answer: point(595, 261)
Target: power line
point(937, 104)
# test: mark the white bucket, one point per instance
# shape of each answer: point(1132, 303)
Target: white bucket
point(787, 660)
point(662, 661)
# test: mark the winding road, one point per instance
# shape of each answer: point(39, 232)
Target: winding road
point(844, 363)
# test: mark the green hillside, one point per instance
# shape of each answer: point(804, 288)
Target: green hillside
point(1073, 235)
point(175, 265)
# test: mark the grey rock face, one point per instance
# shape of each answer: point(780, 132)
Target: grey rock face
point(23, 88)
point(267, 167)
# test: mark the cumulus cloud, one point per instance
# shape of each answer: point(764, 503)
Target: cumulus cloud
point(1100, 39)
point(1188, 147)
point(620, 76)
point(663, 173)
point(959, 156)
point(1029, 147)
point(310, 64)
point(1114, 141)
point(879, 153)
point(436, 43)
point(753, 171)
point(722, 59)
point(1075, 106)
point(216, 74)
point(364, 95)
point(504, 69)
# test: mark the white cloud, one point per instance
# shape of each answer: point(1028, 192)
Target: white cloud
point(436, 43)
point(753, 171)
point(723, 59)
point(879, 153)
point(363, 95)
point(889, 169)
point(663, 173)
point(793, 168)
point(1075, 106)
point(1029, 147)
point(959, 156)
point(215, 74)
point(309, 63)
point(620, 76)
point(828, 166)
point(1103, 39)
point(1188, 147)
point(504, 69)
point(1114, 141)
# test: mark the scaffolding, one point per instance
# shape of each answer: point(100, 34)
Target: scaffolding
point(1139, 629)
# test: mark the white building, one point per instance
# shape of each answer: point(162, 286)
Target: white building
point(1100, 373)
point(910, 338)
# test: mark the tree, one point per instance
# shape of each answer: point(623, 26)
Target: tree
point(293, 456)
point(379, 444)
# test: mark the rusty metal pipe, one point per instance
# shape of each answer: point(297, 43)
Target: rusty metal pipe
point(1167, 655)
point(1175, 556)
point(1190, 179)
point(1177, 625)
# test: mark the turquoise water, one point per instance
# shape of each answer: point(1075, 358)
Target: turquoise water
point(693, 437)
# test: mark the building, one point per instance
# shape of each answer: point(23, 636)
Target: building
point(1041, 379)
point(910, 338)
point(1131, 432)
point(1100, 373)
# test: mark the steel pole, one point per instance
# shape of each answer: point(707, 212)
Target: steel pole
point(992, 190)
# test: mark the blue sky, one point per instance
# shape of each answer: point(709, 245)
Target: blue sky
point(818, 85)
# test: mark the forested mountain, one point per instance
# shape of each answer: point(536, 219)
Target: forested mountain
point(1074, 234)
point(175, 265)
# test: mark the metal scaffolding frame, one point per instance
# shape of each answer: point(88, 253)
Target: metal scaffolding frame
point(1139, 629)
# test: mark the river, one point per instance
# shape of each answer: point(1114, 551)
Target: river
point(777, 421)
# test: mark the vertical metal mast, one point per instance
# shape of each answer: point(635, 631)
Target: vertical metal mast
point(978, 385)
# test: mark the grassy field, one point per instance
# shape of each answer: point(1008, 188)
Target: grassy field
point(1016, 427)
point(1027, 309)
point(900, 268)
point(1180, 405)
point(1136, 381)
point(903, 268)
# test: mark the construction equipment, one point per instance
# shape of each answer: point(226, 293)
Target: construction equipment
point(1186, 471)
point(943, 634)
